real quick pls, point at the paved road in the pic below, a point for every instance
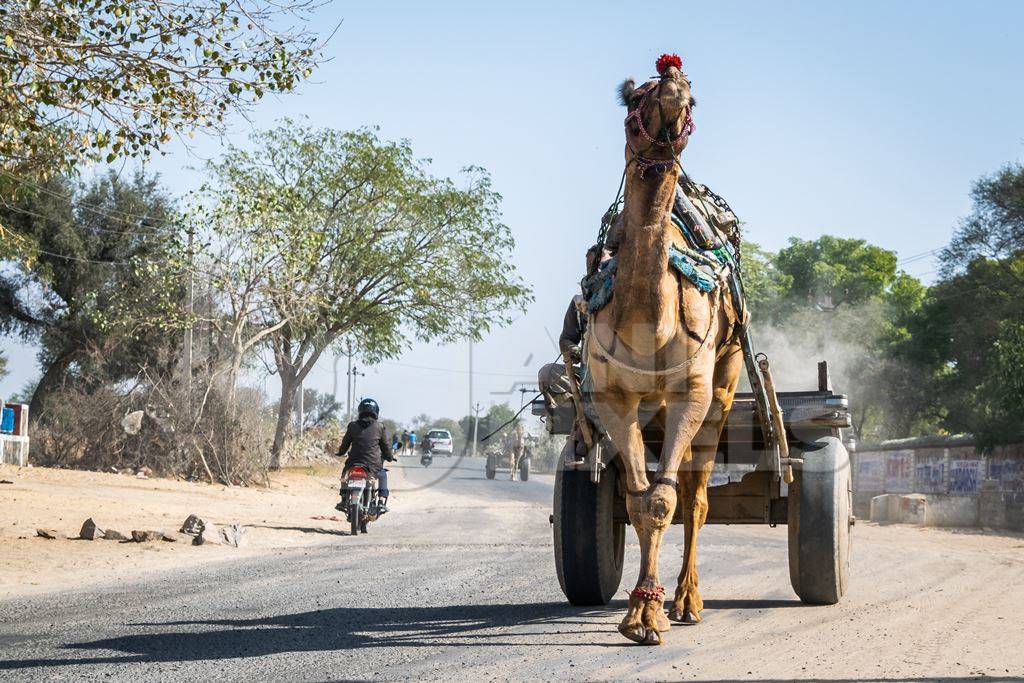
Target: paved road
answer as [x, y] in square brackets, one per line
[459, 583]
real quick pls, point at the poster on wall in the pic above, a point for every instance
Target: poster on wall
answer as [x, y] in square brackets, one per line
[964, 476]
[1009, 472]
[870, 471]
[899, 472]
[929, 474]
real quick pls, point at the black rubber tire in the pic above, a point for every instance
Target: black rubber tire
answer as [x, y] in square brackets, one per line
[819, 519]
[489, 468]
[589, 544]
[354, 519]
[363, 526]
[524, 469]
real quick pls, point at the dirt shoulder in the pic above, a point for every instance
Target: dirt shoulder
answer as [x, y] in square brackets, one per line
[280, 516]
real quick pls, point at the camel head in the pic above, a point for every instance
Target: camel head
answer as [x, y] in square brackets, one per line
[659, 121]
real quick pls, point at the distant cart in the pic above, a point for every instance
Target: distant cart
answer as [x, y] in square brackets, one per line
[503, 459]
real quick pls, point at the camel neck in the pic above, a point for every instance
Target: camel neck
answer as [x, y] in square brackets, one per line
[643, 252]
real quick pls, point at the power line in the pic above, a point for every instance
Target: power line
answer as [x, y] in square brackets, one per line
[106, 213]
[452, 370]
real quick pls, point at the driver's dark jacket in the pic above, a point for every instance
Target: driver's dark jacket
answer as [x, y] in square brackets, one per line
[366, 444]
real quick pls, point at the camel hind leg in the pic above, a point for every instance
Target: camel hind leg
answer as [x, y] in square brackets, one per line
[693, 482]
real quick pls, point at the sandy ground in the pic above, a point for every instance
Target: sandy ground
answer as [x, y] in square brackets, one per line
[457, 582]
[279, 517]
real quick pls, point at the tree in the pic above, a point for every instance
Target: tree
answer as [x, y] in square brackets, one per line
[1000, 406]
[763, 284]
[995, 228]
[94, 290]
[833, 271]
[844, 301]
[364, 244]
[956, 333]
[319, 408]
[3, 365]
[86, 80]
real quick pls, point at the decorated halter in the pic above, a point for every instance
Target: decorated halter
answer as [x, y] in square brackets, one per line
[644, 163]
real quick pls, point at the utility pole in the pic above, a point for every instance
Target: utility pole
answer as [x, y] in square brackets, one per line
[355, 375]
[348, 387]
[334, 391]
[300, 410]
[476, 422]
[190, 295]
[523, 391]
[471, 377]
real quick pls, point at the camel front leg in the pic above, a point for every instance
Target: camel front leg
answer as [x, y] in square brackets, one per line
[650, 511]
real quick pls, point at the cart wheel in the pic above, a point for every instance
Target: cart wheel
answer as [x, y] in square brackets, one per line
[524, 469]
[489, 468]
[819, 505]
[589, 544]
[353, 518]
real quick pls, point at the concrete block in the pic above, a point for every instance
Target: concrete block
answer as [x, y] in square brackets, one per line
[913, 508]
[885, 508]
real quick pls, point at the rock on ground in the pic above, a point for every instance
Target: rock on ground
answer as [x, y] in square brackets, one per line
[144, 536]
[192, 525]
[90, 531]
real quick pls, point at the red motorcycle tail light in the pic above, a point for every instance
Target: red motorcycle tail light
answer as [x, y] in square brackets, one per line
[357, 473]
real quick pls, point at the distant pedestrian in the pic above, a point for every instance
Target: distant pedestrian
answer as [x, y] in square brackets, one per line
[396, 443]
[405, 441]
[412, 441]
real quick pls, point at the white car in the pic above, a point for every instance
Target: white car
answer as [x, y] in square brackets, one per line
[441, 441]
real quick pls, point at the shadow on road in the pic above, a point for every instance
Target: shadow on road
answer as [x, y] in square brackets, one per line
[304, 529]
[342, 628]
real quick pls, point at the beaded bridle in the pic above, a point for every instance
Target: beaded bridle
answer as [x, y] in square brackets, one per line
[679, 141]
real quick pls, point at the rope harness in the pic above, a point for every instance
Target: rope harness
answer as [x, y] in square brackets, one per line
[648, 594]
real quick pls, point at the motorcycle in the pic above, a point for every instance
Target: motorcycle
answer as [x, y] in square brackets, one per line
[360, 499]
[426, 454]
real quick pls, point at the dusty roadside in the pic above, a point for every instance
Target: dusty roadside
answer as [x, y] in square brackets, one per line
[279, 516]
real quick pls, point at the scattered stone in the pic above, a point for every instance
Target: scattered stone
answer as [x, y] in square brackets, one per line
[209, 535]
[234, 535]
[141, 475]
[6, 481]
[170, 538]
[49, 533]
[131, 423]
[112, 535]
[193, 525]
[146, 536]
[90, 531]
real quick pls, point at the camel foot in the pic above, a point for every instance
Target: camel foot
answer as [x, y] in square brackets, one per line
[687, 606]
[645, 618]
[639, 633]
[684, 616]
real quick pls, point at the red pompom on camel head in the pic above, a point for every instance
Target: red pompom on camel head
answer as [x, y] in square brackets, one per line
[667, 60]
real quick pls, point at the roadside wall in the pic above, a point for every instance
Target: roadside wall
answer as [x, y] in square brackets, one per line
[960, 486]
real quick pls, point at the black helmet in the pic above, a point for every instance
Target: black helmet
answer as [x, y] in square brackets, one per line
[369, 407]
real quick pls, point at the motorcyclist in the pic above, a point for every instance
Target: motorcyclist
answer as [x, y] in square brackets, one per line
[367, 446]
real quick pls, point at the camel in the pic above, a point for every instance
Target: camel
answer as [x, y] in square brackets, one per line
[661, 350]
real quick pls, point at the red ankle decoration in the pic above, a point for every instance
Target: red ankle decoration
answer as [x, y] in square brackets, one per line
[657, 593]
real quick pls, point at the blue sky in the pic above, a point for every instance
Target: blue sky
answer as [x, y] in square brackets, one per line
[865, 120]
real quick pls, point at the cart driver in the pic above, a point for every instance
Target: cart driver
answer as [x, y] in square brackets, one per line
[366, 445]
[552, 377]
